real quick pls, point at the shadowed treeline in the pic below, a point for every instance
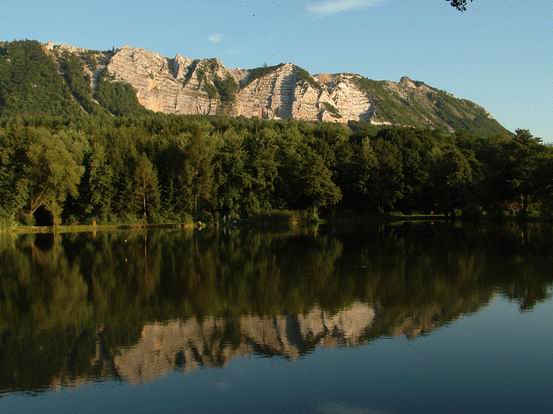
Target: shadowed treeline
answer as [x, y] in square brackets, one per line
[136, 305]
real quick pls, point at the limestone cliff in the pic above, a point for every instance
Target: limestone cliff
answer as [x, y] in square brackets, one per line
[182, 85]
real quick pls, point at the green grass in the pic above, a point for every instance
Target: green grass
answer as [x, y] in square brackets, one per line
[89, 228]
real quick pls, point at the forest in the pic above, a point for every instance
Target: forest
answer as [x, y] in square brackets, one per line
[155, 168]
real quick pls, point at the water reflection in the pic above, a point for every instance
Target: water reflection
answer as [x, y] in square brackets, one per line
[137, 305]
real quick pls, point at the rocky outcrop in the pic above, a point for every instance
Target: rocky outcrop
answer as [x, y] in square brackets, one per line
[271, 96]
[163, 85]
[181, 85]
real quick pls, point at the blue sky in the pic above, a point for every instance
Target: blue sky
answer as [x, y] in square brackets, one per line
[499, 53]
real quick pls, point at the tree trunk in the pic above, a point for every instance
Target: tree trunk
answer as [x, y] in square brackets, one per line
[144, 197]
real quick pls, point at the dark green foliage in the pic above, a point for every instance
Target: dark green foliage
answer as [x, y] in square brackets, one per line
[262, 165]
[197, 172]
[304, 76]
[226, 88]
[90, 58]
[174, 167]
[433, 108]
[119, 98]
[542, 180]
[206, 86]
[53, 170]
[30, 83]
[452, 180]
[318, 188]
[386, 178]
[332, 110]
[256, 73]
[79, 83]
[146, 190]
[97, 185]
[233, 180]
[13, 158]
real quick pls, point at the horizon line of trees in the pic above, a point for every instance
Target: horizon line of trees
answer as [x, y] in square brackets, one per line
[160, 168]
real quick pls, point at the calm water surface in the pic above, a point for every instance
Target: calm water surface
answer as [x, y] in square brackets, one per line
[403, 318]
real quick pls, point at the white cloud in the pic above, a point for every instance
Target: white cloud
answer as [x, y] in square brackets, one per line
[215, 37]
[328, 7]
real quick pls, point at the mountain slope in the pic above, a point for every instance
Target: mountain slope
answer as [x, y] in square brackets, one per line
[60, 80]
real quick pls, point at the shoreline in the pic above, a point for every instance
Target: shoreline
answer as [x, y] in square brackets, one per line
[89, 228]
[254, 222]
[257, 222]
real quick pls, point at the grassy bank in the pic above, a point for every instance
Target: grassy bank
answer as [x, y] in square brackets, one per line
[274, 219]
[89, 228]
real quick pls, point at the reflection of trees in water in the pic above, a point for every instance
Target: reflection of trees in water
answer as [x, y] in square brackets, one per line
[84, 307]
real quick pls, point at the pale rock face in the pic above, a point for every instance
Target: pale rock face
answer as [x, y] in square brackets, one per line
[181, 65]
[352, 103]
[175, 86]
[271, 96]
[162, 85]
[407, 86]
[307, 104]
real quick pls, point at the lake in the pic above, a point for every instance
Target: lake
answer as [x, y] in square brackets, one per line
[415, 317]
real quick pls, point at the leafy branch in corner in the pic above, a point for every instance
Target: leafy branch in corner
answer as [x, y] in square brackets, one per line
[460, 5]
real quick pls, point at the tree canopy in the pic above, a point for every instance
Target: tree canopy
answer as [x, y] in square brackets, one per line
[165, 168]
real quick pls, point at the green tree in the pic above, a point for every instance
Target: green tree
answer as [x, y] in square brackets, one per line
[12, 178]
[522, 155]
[452, 180]
[100, 184]
[54, 170]
[365, 164]
[262, 149]
[542, 180]
[385, 185]
[232, 180]
[197, 172]
[146, 191]
[319, 189]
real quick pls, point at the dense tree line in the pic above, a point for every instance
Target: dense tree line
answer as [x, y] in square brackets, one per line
[162, 168]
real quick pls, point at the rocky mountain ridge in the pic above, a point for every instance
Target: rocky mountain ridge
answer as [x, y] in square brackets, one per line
[186, 86]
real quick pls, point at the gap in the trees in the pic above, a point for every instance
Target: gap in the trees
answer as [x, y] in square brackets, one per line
[43, 217]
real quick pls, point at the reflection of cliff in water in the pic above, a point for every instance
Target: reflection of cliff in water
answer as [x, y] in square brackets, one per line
[135, 306]
[214, 341]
